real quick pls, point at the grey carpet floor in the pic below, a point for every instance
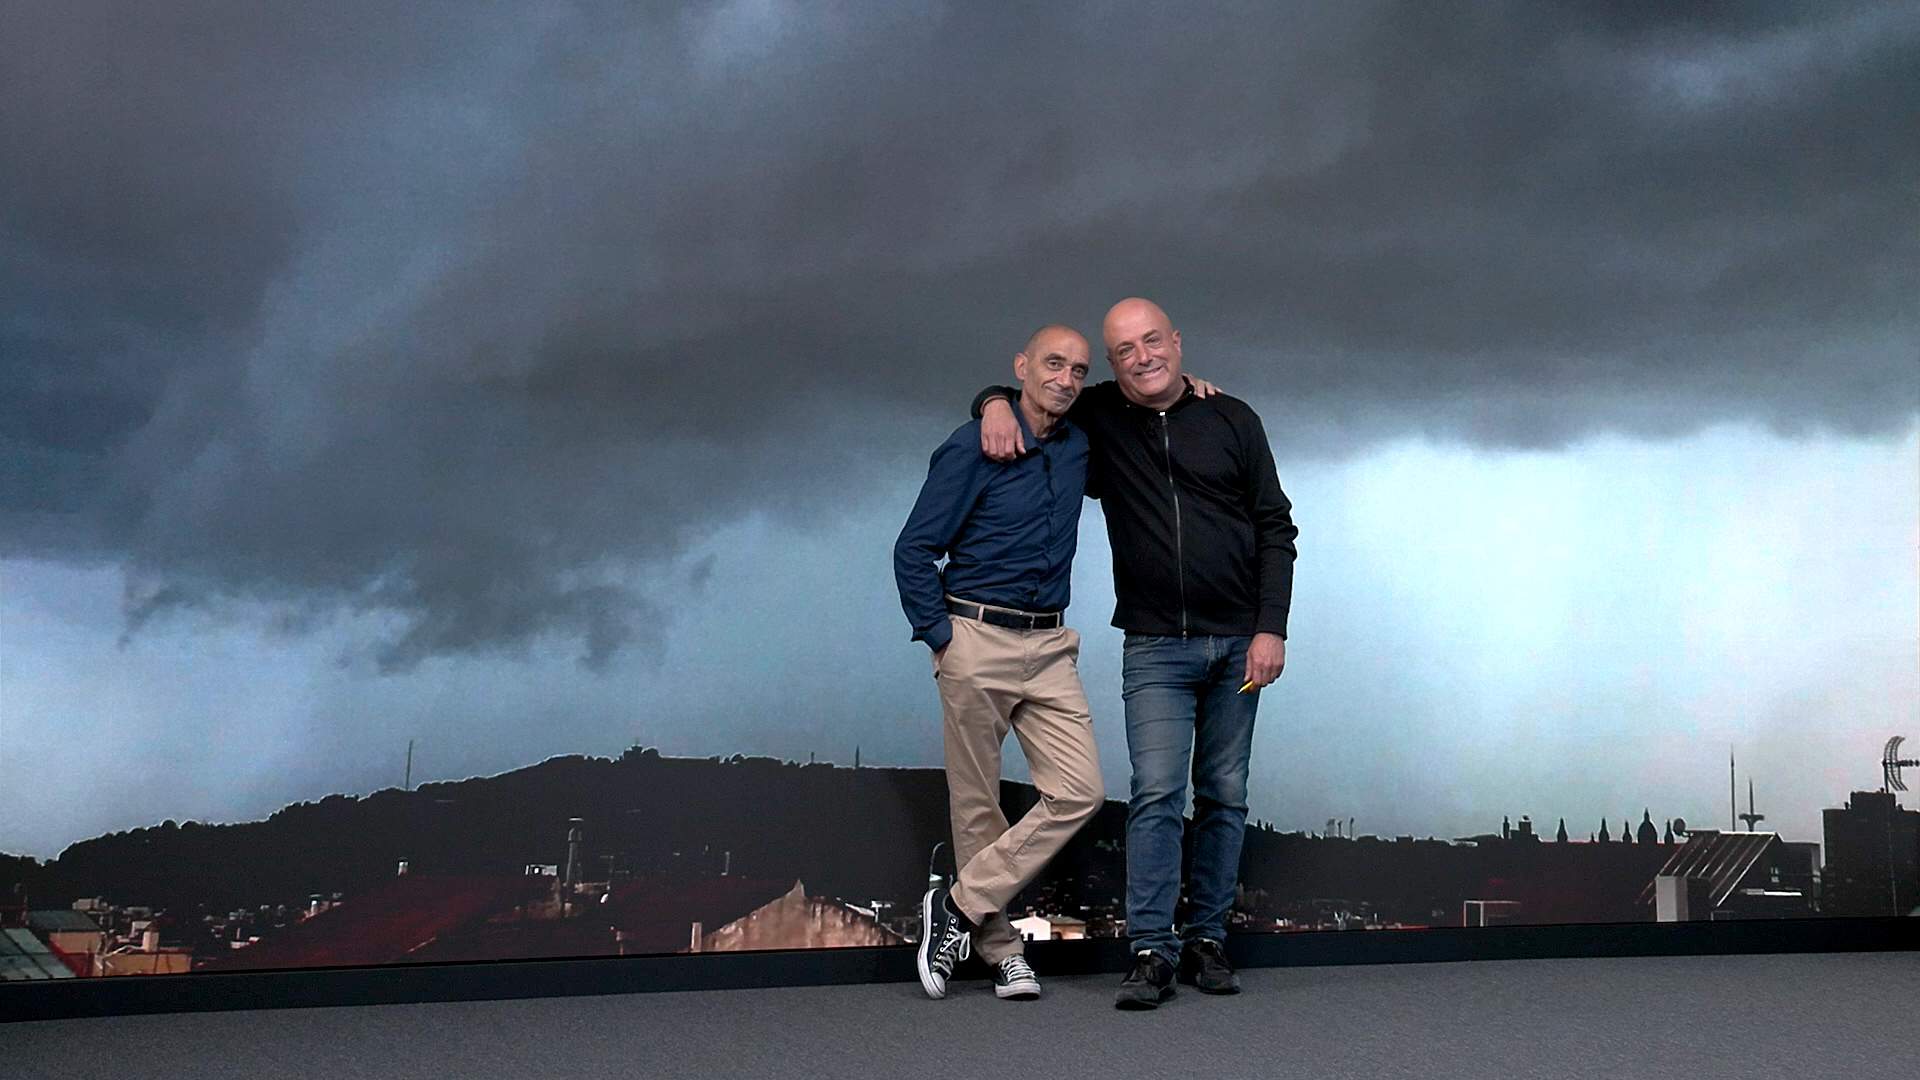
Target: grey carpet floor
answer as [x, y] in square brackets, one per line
[1847, 1015]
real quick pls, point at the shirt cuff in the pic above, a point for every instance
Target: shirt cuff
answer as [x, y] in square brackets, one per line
[938, 635]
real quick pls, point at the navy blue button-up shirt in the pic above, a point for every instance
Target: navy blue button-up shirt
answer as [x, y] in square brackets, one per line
[1008, 531]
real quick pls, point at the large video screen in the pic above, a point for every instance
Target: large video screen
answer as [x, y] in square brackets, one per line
[456, 458]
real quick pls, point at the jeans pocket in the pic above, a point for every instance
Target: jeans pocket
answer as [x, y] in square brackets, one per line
[1135, 642]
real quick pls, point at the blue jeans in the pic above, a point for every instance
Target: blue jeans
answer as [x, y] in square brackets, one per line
[1183, 706]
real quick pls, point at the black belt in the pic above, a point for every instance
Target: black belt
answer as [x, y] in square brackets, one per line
[1012, 620]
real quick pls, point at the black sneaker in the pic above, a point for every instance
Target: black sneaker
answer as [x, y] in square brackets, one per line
[1204, 966]
[1148, 984]
[945, 940]
[1014, 980]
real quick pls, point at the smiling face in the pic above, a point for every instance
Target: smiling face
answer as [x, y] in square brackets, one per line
[1144, 349]
[1052, 369]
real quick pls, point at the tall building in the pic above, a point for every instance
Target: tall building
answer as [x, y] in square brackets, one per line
[1873, 857]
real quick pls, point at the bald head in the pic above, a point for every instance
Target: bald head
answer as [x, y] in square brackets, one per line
[1054, 335]
[1144, 349]
[1130, 311]
[1051, 369]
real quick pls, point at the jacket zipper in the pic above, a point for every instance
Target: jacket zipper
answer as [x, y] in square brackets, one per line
[1179, 557]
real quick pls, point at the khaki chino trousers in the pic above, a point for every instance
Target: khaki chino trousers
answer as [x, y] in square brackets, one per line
[994, 680]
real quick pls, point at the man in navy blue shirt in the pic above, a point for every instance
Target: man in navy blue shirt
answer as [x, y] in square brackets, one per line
[1003, 657]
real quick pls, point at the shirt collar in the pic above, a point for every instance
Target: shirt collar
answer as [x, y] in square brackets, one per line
[1060, 428]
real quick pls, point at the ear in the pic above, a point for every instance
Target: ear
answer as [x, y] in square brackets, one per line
[1175, 338]
[1020, 367]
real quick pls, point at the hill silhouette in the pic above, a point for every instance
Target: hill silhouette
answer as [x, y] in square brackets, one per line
[854, 833]
[860, 834]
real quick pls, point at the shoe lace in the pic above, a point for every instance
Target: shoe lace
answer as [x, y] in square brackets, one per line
[1015, 968]
[956, 946]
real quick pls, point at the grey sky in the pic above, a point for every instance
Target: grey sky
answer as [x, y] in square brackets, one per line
[1755, 593]
[455, 343]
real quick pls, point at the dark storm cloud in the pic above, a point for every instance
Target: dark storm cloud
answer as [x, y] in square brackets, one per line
[466, 315]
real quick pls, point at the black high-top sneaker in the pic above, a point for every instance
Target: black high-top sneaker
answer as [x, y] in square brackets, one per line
[945, 940]
[1015, 980]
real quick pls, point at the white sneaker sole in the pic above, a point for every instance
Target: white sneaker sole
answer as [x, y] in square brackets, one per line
[1022, 990]
[930, 981]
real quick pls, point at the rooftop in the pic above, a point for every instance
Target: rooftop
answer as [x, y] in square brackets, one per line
[60, 920]
[1722, 858]
[25, 958]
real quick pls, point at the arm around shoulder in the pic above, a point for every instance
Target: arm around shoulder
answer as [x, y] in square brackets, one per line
[1000, 438]
[1008, 394]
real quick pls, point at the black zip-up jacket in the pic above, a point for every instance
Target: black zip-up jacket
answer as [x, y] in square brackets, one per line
[1202, 535]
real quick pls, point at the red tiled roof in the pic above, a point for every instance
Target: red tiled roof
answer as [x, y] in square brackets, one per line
[642, 917]
[386, 924]
[424, 918]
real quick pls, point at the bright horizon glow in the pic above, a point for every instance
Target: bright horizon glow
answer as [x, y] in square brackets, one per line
[1577, 633]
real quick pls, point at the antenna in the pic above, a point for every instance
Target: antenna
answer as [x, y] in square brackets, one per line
[1891, 764]
[1733, 799]
[407, 785]
[1750, 817]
